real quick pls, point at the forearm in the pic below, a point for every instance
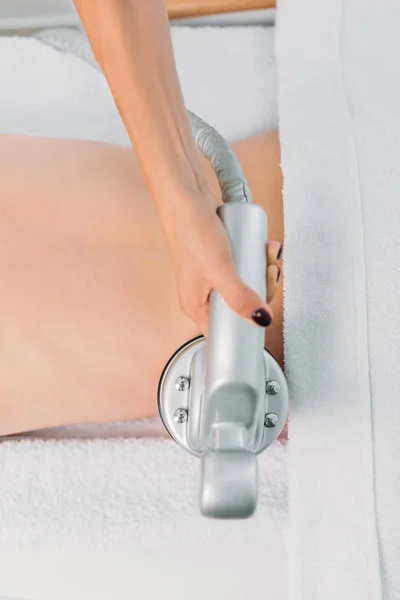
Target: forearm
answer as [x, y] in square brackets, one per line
[131, 41]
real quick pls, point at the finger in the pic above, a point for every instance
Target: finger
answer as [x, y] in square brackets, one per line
[194, 301]
[201, 315]
[273, 275]
[240, 297]
[274, 252]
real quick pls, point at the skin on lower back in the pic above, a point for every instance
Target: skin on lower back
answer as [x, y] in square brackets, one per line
[89, 308]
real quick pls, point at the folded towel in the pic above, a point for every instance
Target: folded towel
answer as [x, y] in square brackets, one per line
[339, 98]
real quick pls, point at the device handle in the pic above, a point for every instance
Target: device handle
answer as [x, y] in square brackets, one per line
[233, 407]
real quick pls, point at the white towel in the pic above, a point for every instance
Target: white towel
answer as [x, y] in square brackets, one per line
[123, 493]
[339, 99]
[227, 75]
[65, 505]
[130, 508]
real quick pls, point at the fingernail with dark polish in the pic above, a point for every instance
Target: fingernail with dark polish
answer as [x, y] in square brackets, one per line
[261, 317]
[279, 275]
[279, 255]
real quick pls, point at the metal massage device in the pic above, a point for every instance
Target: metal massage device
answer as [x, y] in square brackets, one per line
[225, 398]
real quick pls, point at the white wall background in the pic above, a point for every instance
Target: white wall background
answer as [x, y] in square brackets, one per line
[22, 15]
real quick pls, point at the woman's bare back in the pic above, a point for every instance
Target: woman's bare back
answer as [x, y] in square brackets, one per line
[89, 308]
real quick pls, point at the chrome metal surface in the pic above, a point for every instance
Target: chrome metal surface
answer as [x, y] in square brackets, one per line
[170, 399]
[229, 484]
[228, 396]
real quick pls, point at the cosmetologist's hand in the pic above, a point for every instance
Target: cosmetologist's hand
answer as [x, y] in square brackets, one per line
[202, 259]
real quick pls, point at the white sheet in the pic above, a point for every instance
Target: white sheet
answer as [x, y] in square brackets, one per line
[339, 99]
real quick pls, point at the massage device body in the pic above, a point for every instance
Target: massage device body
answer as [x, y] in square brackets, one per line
[225, 398]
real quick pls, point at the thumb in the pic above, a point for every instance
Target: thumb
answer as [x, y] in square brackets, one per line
[242, 299]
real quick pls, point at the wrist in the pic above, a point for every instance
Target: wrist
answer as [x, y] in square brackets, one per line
[182, 210]
[170, 161]
[184, 181]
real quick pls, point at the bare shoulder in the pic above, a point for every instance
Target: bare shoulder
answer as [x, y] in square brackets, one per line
[260, 156]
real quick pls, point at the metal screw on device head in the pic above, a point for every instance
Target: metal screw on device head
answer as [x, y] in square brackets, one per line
[271, 420]
[272, 388]
[180, 415]
[182, 384]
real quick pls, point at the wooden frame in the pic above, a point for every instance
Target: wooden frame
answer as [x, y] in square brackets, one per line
[183, 9]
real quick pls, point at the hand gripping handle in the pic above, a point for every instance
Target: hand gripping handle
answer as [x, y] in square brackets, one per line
[232, 422]
[232, 416]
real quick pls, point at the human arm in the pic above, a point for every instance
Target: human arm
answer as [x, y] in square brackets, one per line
[132, 43]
